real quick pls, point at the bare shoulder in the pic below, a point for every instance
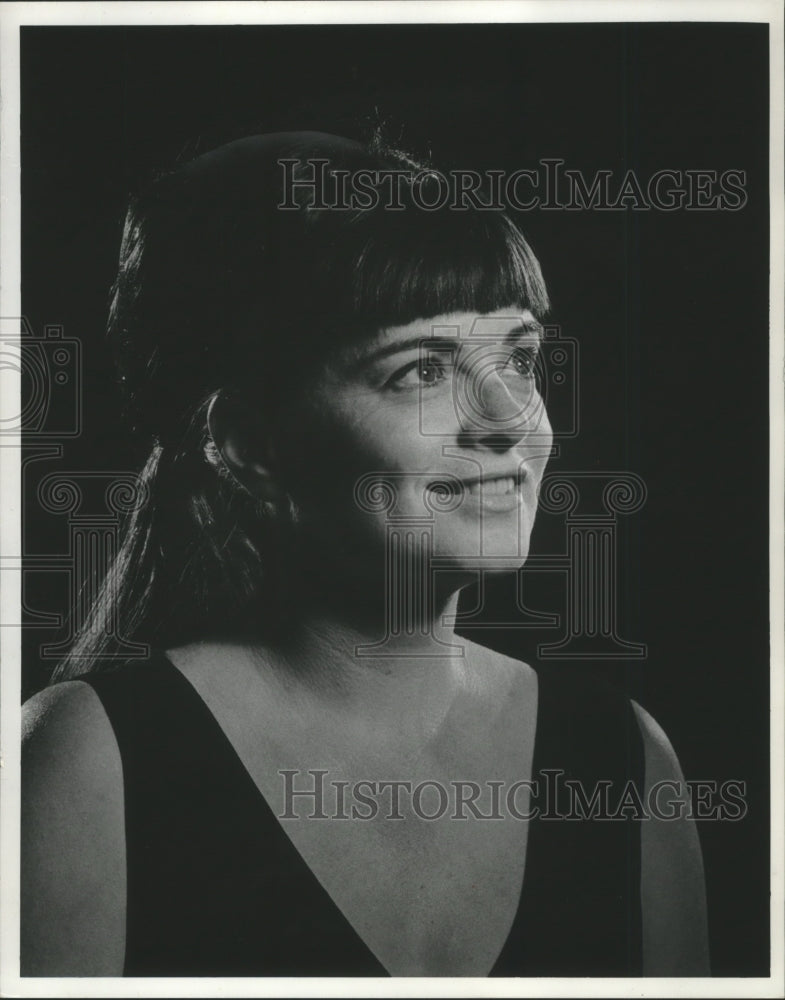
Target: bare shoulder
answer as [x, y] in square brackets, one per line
[68, 745]
[657, 746]
[675, 931]
[70, 712]
[73, 841]
[504, 668]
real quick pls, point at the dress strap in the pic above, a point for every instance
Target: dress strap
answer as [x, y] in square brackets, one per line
[215, 887]
[580, 912]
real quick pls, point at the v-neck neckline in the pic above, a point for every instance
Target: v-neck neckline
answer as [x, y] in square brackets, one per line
[307, 873]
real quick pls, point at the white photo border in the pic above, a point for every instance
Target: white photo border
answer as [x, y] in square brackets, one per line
[15, 15]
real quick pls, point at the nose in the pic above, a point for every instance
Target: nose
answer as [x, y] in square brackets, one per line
[495, 417]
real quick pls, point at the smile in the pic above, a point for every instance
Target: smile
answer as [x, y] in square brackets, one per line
[493, 493]
[497, 486]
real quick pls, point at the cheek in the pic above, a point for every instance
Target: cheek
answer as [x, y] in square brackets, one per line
[542, 432]
[366, 436]
[541, 447]
[335, 453]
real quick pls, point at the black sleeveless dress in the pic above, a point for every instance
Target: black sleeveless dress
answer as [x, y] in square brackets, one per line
[216, 888]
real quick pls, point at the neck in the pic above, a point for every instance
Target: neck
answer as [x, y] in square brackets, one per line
[346, 656]
[412, 619]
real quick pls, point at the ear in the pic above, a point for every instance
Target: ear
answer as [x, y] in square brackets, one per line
[239, 435]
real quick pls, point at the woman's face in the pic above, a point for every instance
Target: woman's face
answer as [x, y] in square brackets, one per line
[436, 426]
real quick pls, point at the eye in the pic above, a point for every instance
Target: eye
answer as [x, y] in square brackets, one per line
[425, 372]
[523, 362]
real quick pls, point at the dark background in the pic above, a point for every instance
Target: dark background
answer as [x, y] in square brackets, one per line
[670, 309]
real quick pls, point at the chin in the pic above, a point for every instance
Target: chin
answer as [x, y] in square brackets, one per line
[486, 543]
[505, 556]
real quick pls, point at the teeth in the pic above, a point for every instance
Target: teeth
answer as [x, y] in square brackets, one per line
[492, 487]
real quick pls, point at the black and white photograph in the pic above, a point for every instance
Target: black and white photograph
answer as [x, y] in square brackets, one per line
[392, 499]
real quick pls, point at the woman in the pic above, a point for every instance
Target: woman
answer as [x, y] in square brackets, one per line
[311, 774]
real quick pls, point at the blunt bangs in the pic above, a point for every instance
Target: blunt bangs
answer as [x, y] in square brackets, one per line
[417, 264]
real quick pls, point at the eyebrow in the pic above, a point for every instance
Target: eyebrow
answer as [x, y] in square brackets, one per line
[530, 327]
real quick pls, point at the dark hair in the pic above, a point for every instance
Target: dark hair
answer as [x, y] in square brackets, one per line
[219, 289]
